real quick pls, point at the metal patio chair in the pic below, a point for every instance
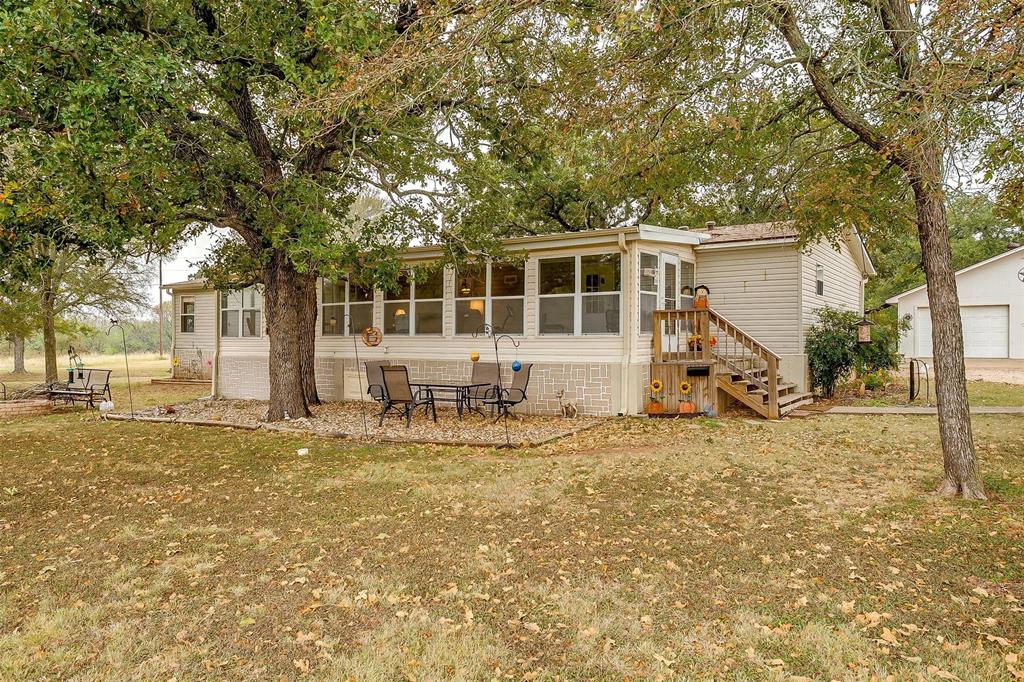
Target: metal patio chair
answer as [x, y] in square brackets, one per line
[375, 379]
[87, 386]
[512, 396]
[400, 397]
[483, 373]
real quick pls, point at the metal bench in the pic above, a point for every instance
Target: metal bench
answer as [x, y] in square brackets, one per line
[87, 386]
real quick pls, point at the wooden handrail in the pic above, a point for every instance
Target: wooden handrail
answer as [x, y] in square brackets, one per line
[721, 321]
[721, 318]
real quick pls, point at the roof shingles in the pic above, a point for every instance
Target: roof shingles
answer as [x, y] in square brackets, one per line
[782, 229]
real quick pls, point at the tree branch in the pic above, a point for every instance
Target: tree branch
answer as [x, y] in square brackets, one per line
[781, 16]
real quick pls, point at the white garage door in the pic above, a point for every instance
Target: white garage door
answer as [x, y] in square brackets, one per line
[986, 331]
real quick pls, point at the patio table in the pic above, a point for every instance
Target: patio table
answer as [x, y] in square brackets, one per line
[452, 392]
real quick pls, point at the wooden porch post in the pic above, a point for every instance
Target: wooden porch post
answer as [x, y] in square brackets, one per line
[658, 316]
[773, 387]
[705, 330]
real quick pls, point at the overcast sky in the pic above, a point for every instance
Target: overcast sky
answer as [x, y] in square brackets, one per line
[180, 267]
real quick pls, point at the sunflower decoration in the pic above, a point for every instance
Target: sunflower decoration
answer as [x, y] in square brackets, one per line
[685, 387]
[656, 388]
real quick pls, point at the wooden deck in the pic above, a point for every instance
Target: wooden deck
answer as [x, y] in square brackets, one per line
[739, 365]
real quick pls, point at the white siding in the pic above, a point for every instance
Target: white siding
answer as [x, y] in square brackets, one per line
[757, 288]
[187, 346]
[843, 281]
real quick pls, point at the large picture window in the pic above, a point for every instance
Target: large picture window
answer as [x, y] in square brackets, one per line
[241, 313]
[580, 294]
[188, 315]
[417, 306]
[493, 293]
[339, 299]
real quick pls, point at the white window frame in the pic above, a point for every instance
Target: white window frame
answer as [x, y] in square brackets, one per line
[819, 279]
[346, 308]
[488, 302]
[656, 294]
[411, 303]
[182, 314]
[659, 282]
[579, 295]
[693, 283]
[241, 314]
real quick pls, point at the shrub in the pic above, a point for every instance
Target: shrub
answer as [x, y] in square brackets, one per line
[833, 351]
[882, 354]
[830, 347]
[877, 380]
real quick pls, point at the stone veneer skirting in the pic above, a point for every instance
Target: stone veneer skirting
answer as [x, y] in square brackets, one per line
[594, 387]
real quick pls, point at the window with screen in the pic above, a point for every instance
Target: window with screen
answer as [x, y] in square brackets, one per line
[580, 294]
[345, 308]
[188, 315]
[241, 313]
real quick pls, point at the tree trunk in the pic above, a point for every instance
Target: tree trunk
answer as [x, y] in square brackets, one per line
[308, 341]
[18, 342]
[959, 460]
[284, 297]
[49, 327]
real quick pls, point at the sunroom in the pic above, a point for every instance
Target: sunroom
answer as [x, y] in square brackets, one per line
[580, 306]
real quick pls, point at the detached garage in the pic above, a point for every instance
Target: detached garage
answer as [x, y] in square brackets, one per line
[991, 309]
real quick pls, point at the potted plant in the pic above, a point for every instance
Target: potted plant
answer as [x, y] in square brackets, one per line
[696, 341]
[686, 404]
[654, 405]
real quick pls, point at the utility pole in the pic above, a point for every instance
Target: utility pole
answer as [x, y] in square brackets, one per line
[160, 307]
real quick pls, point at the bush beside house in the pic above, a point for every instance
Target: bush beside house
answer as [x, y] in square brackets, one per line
[833, 352]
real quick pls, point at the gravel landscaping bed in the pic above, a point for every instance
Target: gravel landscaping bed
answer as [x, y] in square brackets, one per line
[337, 418]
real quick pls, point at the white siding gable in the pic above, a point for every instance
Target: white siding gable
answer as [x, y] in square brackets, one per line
[843, 281]
[757, 289]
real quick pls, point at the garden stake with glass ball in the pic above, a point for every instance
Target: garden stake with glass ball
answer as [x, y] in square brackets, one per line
[124, 343]
[488, 331]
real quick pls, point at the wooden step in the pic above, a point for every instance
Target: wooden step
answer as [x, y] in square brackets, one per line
[790, 401]
[792, 397]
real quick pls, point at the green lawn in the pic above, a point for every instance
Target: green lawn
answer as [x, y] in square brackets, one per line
[143, 368]
[980, 394]
[642, 549]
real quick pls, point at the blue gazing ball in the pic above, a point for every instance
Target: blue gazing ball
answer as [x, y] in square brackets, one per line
[516, 365]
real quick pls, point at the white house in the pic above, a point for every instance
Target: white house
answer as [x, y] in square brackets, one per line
[991, 297]
[581, 305]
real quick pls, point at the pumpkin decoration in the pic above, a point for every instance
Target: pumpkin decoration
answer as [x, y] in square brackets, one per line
[654, 405]
[686, 406]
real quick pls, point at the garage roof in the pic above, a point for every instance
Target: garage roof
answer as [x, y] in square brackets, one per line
[993, 259]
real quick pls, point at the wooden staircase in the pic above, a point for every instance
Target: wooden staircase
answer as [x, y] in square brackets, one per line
[751, 387]
[745, 369]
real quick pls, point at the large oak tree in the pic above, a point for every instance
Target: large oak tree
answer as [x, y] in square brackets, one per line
[267, 118]
[850, 113]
